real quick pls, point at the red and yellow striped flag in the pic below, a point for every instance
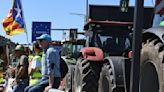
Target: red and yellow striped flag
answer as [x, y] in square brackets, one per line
[14, 23]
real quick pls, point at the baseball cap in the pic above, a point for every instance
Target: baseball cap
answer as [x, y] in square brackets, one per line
[19, 48]
[44, 37]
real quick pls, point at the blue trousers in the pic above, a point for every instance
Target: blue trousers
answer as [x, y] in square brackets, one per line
[20, 86]
[40, 86]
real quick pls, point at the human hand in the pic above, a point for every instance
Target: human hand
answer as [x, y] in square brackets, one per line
[47, 88]
[10, 66]
[1, 89]
[17, 81]
[30, 59]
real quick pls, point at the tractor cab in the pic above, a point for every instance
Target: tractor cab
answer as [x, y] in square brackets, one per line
[110, 36]
[71, 49]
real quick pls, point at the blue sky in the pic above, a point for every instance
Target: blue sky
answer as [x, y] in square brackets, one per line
[58, 12]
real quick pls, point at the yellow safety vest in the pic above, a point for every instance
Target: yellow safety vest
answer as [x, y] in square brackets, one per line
[1, 68]
[2, 80]
[30, 57]
[36, 74]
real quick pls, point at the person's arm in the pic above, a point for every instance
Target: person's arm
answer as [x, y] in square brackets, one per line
[20, 72]
[30, 71]
[50, 62]
[51, 80]
[33, 66]
[22, 68]
[51, 65]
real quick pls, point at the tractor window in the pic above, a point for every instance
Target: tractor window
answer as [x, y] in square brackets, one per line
[66, 49]
[96, 41]
[127, 43]
[76, 49]
[114, 44]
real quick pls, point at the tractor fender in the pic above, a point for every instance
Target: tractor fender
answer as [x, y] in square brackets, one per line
[117, 65]
[92, 53]
[154, 32]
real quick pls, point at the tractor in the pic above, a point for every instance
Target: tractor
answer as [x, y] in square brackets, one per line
[145, 72]
[114, 40]
[105, 62]
[71, 49]
[69, 53]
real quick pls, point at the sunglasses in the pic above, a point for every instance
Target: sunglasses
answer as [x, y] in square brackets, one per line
[41, 40]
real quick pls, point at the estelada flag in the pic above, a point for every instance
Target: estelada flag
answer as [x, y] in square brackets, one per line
[14, 23]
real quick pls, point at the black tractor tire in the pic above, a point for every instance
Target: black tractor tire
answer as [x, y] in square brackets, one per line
[87, 76]
[107, 80]
[151, 75]
[67, 82]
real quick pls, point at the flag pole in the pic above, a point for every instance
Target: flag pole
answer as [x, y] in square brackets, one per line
[24, 24]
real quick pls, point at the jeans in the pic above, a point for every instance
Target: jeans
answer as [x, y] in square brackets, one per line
[40, 86]
[20, 86]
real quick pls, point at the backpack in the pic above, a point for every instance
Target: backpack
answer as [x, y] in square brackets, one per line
[63, 68]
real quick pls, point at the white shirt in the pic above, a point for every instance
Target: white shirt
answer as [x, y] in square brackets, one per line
[35, 63]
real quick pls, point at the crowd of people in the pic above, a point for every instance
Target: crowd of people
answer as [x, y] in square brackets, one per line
[38, 71]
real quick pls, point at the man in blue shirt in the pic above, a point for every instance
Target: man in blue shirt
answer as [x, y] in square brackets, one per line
[50, 67]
